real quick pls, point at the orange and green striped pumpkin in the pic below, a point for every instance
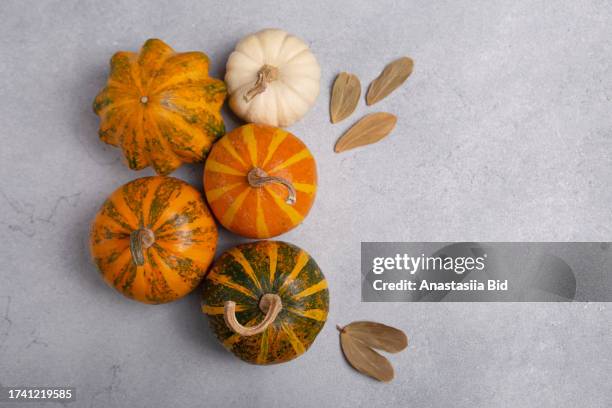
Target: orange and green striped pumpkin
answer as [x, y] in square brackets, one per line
[243, 277]
[260, 181]
[153, 239]
[160, 107]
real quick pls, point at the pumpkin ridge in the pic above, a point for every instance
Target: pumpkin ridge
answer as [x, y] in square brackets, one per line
[115, 267]
[212, 89]
[182, 144]
[227, 146]
[219, 192]
[151, 58]
[124, 278]
[317, 287]
[121, 69]
[109, 209]
[230, 214]
[248, 139]
[187, 279]
[297, 345]
[219, 309]
[246, 266]
[298, 52]
[185, 211]
[260, 224]
[294, 216]
[113, 134]
[187, 120]
[295, 158]
[224, 281]
[319, 315]
[134, 195]
[295, 91]
[179, 64]
[277, 139]
[130, 144]
[164, 160]
[160, 200]
[300, 263]
[272, 250]
[159, 290]
[280, 49]
[264, 344]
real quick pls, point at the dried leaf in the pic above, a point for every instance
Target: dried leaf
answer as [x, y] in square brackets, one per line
[378, 336]
[364, 359]
[369, 129]
[345, 96]
[389, 79]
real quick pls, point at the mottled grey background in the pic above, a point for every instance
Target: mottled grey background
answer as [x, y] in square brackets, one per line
[504, 134]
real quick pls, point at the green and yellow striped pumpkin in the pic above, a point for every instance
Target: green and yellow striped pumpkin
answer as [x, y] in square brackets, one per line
[266, 301]
[153, 239]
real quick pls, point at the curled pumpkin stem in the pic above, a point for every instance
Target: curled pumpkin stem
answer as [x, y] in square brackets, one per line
[270, 303]
[265, 75]
[140, 240]
[258, 177]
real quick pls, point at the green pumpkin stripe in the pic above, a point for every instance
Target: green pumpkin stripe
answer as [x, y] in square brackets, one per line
[109, 209]
[317, 287]
[297, 345]
[226, 281]
[246, 266]
[265, 341]
[186, 268]
[127, 276]
[314, 314]
[134, 194]
[302, 260]
[162, 197]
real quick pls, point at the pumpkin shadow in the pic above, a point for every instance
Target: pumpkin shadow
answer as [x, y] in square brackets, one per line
[192, 324]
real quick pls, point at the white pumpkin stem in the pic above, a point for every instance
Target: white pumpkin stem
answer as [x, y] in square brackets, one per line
[257, 177]
[270, 303]
[140, 240]
[265, 75]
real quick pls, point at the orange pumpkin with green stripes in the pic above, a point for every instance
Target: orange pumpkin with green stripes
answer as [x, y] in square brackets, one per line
[266, 301]
[260, 181]
[153, 239]
[160, 107]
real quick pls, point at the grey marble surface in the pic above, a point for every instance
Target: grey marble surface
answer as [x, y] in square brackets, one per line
[504, 133]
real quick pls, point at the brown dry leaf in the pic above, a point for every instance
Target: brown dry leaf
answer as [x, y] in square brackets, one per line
[389, 79]
[345, 96]
[378, 336]
[357, 340]
[369, 129]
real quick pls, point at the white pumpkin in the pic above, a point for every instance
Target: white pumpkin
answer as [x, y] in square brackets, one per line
[272, 78]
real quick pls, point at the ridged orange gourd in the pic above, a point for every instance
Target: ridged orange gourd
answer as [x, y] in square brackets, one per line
[160, 107]
[260, 181]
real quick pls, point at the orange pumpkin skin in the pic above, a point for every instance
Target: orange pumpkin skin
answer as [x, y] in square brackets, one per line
[160, 107]
[259, 212]
[153, 239]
